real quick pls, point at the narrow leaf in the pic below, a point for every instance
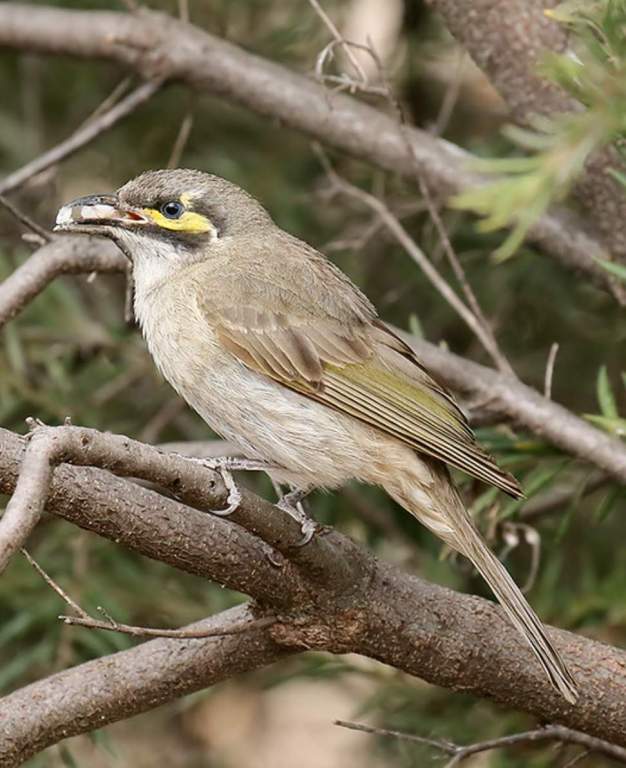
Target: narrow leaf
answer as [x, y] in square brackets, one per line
[618, 270]
[606, 397]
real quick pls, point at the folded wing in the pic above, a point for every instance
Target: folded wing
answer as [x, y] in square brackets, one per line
[362, 369]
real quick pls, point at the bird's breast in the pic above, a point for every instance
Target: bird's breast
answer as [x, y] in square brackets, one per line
[266, 419]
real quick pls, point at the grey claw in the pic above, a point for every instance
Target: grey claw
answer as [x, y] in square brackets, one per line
[275, 559]
[291, 504]
[234, 496]
[308, 530]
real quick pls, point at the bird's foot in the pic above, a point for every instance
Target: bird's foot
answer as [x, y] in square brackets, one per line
[225, 466]
[291, 503]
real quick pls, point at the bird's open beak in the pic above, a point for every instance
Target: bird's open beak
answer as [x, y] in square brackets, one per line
[86, 214]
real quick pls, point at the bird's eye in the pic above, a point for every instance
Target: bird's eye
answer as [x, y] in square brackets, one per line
[172, 209]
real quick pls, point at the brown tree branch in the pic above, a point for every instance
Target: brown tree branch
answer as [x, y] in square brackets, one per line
[158, 46]
[507, 39]
[162, 528]
[90, 695]
[460, 752]
[453, 640]
[43, 235]
[190, 480]
[525, 406]
[62, 256]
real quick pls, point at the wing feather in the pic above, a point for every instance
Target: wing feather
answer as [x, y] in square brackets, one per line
[364, 370]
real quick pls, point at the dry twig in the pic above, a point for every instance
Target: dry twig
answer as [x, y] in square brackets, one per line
[547, 385]
[338, 39]
[394, 225]
[479, 325]
[83, 619]
[44, 234]
[181, 141]
[90, 130]
[460, 753]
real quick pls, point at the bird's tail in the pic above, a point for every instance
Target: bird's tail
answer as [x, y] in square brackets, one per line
[446, 516]
[521, 615]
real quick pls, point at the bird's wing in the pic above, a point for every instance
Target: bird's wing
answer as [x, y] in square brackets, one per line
[360, 368]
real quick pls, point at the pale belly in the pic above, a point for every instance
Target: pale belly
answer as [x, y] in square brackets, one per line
[313, 444]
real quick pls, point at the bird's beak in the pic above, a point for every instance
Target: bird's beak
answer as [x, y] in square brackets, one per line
[88, 214]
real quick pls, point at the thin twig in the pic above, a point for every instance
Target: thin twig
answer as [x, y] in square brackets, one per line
[109, 101]
[26, 220]
[547, 386]
[181, 141]
[554, 500]
[182, 634]
[83, 619]
[450, 98]
[415, 252]
[480, 326]
[53, 585]
[444, 746]
[459, 753]
[339, 40]
[82, 136]
[487, 336]
[183, 11]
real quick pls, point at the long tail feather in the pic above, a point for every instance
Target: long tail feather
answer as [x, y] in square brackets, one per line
[438, 506]
[521, 615]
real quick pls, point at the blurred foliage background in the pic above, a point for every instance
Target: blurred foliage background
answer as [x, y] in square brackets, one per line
[71, 354]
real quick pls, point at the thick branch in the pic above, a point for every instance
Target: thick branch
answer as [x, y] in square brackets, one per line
[103, 691]
[508, 39]
[453, 640]
[159, 527]
[158, 46]
[188, 479]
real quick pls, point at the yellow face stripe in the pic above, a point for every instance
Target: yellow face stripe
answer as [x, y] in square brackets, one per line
[188, 222]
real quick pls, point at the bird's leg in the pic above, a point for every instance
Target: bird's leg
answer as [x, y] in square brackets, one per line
[225, 466]
[291, 503]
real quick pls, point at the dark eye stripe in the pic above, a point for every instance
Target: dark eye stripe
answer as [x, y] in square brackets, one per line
[173, 209]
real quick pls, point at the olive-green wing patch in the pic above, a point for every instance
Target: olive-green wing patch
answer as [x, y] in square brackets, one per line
[364, 370]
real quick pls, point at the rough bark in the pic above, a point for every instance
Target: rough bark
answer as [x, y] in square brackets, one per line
[454, 640]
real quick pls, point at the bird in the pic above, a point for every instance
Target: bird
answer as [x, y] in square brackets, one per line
[280, 353]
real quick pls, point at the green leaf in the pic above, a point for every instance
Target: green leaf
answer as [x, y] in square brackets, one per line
[415, 326]
[483, 501]
[617, 270]
[534, 482]
[618, 176]
[606, 506]
[606, 397]
[616, 427]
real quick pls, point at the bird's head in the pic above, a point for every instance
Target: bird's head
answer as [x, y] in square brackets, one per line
[176, 214]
